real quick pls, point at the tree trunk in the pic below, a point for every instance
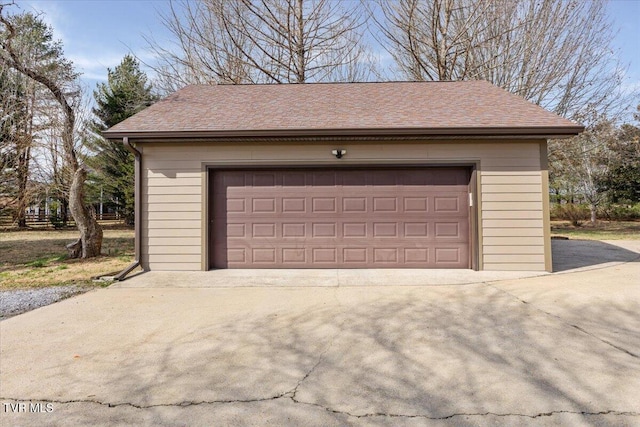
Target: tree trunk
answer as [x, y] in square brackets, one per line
[21, 212]
[90, 242]
[64, 211]
[593, 213]
[24, 156]
[90, 231]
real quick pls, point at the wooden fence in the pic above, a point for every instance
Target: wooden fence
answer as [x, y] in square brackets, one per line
[42, 221]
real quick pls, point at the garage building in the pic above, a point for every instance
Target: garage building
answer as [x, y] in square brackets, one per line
[343, 175]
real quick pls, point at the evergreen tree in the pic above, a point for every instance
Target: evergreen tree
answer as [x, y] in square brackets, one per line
[623, 181]
[125, 93]
[25, 105]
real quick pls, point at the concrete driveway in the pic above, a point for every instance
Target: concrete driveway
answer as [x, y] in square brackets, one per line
[531, 349]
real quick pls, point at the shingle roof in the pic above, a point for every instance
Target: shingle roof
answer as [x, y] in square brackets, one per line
[429, 108]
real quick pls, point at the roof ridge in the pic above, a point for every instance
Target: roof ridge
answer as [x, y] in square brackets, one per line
[339, 83]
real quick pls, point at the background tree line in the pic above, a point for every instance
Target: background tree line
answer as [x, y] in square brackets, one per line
[555, 53]
[50, 146]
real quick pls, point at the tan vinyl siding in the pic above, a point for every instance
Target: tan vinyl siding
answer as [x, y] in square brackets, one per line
[509, 266]
[512, 223]
[512, 206]
[172, 207]
[513, 218]
[170, 191]
[170, 173]
[511, 197]
[513, 241]
[507, 232]
[176, 266]
[505, 250]
[510, 220]
[172, 249]
[510, 258]
[175, 198]
[172, 232]
[167, 181]
[508, 187]
[513, 214]
[185, 215]
[511, 179]
[175, 224]
[173, 241]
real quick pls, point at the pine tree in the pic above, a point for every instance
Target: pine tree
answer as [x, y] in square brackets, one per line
[125, 93]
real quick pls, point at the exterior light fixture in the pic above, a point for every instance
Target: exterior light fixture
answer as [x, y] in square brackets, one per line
[338, 152]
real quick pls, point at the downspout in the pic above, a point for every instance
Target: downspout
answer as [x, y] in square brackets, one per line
[137, 213]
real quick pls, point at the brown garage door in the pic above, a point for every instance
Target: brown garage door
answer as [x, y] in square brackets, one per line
[356, 218]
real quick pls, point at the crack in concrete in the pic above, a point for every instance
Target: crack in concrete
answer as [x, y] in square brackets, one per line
[287, 394]
[463, 414]
[555, 316]
[292, 393]
[496, 414]
[185, 404]
[137, 406]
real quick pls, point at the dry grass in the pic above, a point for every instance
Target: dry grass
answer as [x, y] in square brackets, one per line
[601, 230]
[38, 258]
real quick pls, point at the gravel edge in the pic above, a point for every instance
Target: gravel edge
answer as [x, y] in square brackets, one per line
[18, 301]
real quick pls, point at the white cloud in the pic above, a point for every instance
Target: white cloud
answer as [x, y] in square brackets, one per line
[95, 67]
[51, 13]
[93, 62]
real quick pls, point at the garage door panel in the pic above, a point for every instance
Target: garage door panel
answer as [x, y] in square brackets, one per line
[332, 218]
[416, 230]
[324, 205]
[444, 205]
[321, 229]
[354, 230]
[418, 256]
[380, 257]
[293, 230]
[229, 179]
[354, 255]
[294, 255]
[294, 205]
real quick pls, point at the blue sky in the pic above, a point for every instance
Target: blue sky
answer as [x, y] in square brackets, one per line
[98, 33]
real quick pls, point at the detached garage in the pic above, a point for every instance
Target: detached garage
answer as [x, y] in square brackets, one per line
[353, 175]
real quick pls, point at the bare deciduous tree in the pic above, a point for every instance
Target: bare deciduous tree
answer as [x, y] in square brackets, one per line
[586, 160]
[18, 108]
[555, 53]
[55, 74]
[262, 41]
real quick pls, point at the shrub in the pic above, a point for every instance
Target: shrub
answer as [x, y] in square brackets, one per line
[621, 212]
[575, 213]
[56, 221]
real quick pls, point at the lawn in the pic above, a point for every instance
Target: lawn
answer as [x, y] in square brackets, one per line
[601, 230]
[38, 258]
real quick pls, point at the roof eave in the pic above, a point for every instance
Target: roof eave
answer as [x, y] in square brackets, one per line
[549, 132]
